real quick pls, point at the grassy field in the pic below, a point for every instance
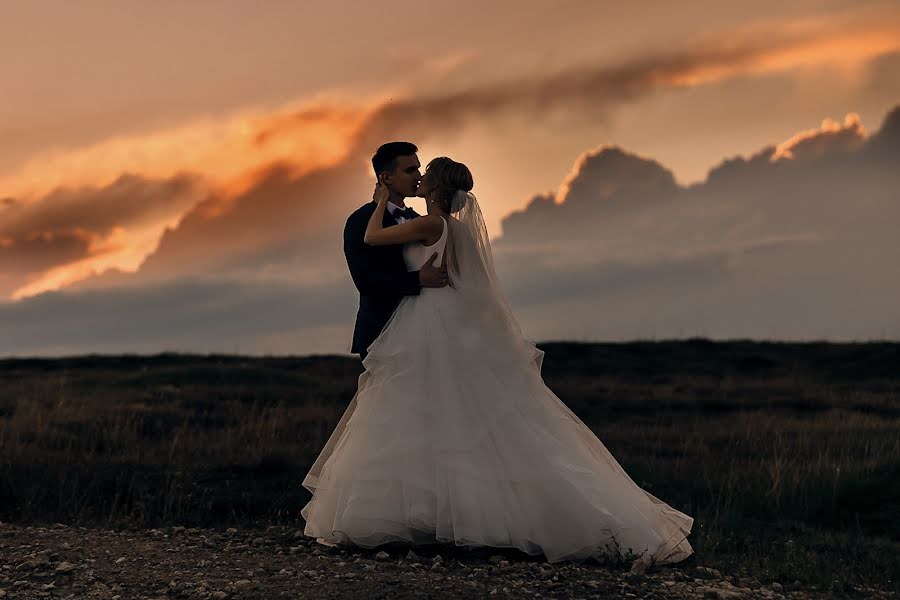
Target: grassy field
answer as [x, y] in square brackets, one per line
[786, 454]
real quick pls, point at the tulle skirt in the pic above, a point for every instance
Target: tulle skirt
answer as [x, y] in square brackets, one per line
[452, 437]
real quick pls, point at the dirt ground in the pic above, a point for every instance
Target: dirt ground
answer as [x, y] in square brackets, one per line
[60, 561]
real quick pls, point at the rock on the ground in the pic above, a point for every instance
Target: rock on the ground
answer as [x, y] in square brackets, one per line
[82, 562]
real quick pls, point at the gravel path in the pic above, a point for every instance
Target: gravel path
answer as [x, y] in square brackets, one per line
[60, 561]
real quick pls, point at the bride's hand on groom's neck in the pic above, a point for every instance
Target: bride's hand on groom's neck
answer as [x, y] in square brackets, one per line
[381, 194]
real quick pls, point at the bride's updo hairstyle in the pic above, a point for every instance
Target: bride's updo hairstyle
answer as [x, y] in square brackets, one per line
[449, 177]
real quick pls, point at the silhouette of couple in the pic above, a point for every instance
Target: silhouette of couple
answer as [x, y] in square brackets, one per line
[452, 435]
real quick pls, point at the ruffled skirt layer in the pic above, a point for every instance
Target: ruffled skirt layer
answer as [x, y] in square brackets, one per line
[459, 441]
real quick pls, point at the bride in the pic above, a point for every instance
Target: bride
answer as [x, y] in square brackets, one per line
[452, 435]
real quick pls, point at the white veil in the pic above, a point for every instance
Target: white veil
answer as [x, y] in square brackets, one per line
[470, 265]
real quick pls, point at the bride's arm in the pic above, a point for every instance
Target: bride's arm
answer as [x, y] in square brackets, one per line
[422, 229]
[416, 230]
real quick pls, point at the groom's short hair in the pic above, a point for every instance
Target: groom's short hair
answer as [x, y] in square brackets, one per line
[385, 158]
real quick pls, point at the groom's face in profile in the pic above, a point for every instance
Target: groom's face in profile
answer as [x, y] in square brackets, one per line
[405, 177]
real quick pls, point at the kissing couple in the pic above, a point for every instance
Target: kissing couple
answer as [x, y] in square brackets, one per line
[452, 436]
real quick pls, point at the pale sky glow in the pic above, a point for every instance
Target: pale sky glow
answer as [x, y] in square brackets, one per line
[145, 144]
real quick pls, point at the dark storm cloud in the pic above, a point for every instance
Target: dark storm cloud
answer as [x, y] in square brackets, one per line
[281, 221]
[128, 200]
[40, 250]
[71, 224]
[819, 177]
[595, 88]
[281, 218]
[763, 241]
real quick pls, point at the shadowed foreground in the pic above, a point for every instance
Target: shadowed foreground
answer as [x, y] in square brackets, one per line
[76, 563]
[786, 454]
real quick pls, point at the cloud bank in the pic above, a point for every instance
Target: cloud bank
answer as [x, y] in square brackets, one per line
[797, 241]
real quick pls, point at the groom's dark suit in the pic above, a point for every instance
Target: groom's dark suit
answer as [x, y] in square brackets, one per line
[380, 275]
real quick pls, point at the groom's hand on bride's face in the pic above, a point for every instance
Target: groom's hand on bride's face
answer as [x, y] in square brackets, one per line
[431, 276]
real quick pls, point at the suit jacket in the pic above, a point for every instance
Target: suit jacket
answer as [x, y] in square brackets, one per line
[380, 275]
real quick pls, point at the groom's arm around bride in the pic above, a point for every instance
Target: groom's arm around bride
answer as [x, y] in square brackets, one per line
[380, 275]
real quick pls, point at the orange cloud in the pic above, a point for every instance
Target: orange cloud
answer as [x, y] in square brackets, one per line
[92, 254]
[120, 223]
[822, 138]
[748, 55]
[311, 136]
[128, 215]
[26, 257]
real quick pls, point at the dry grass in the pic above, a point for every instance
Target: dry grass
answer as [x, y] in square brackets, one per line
[787, 455]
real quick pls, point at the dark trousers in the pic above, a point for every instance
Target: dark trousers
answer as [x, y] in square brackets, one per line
[363, 354]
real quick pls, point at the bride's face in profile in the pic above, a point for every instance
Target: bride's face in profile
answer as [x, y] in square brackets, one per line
[426, 186]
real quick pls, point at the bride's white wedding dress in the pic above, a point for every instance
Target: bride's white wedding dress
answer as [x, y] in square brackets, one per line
[453, 437]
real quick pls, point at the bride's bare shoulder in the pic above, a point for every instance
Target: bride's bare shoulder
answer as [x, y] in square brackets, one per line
[434, 226]
[434, 223]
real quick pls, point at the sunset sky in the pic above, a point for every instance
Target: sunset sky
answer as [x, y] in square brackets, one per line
[176, 176]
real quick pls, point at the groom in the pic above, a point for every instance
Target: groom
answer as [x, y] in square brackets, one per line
[379, 272]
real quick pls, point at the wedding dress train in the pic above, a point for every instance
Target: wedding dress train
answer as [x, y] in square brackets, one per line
[453, 437]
